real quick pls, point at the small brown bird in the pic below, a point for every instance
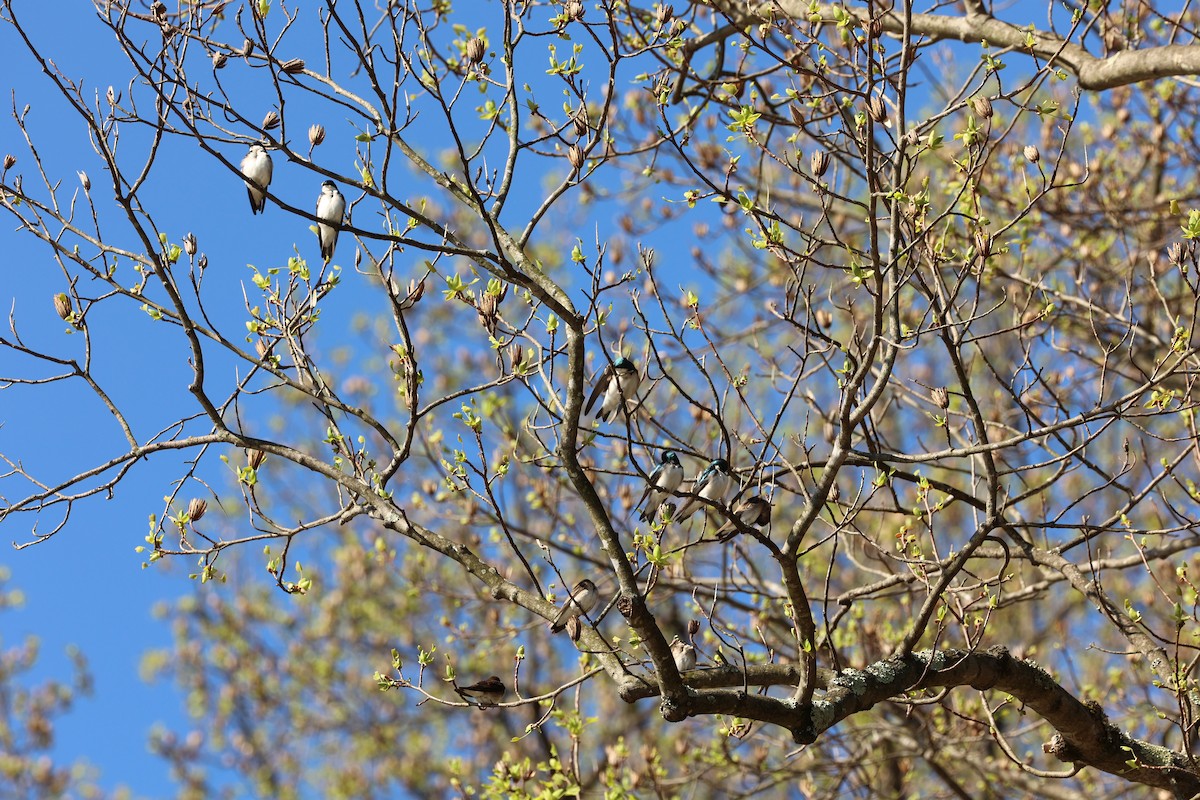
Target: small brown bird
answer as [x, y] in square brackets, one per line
[485, 693]
[751, 511]
[582, 598]
[685, 655]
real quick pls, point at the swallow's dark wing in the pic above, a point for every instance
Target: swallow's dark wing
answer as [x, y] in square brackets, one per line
[600, 388]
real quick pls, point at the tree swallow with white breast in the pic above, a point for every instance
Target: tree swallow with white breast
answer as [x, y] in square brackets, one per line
[583, 598]
[685, 655]
[331, 208]
[664, 480]
[257, 169]
[753, 512]
[712, 484]
[485, 693]
[618, 382]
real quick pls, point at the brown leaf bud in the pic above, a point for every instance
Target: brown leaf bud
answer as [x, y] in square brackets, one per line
[9, 160]
[293, 66]
[663, 14]
[1032, 153]
[111, 96]
[255, 458]
[982, 107]
[940, 397]
[62, 305]
[203, 262]
[247, 47]
[189, 244]
[316, 134]
[819, 161]
[476, 50]
[262, 348]
[84, 180]
[219, 60]
[271, 120]
[875, 30]
[196, 509]
[877, 109]
[693, 627]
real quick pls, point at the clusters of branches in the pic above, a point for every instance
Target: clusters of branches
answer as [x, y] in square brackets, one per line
[931, 306]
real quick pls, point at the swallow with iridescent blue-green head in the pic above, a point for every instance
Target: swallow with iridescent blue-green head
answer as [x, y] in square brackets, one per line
[712, 484]
[618, 384]
[663, 481]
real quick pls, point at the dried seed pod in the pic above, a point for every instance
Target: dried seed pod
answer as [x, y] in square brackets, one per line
[1032, 153]
[293, 66]
[573, 10]
[189, 243]
[271, 120]
[940, 397]
[62, 306]
[202, 263]
[247, 47]
[877, 109]
[819, 161]
[476, 50]
[111, 96]
[579, 120]
[982, 107]
[575, 156]
[84, 180]
[9, 160]
[255, 458]
[693, 627]
[663, 14]
[316, 134]
[983, 243]
[219, 60]
[196, 509]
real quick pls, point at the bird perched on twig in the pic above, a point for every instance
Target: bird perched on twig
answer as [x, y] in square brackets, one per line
[753, 512]
[257, 168]
[583, 598]
[485, 693]
[331, 209]
[712, 484]
[618, 383]
[664, 480]
[685, 655]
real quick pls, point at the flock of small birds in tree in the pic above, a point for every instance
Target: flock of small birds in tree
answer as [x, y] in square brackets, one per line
[615, 390]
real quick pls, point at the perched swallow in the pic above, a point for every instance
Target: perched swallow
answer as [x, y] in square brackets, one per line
[753, 511]
[619, 381]
[331, 208]
[685, 655]
[582, 598]
[486, 693]
[664, 480]
[257, 168]
[712, 484]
